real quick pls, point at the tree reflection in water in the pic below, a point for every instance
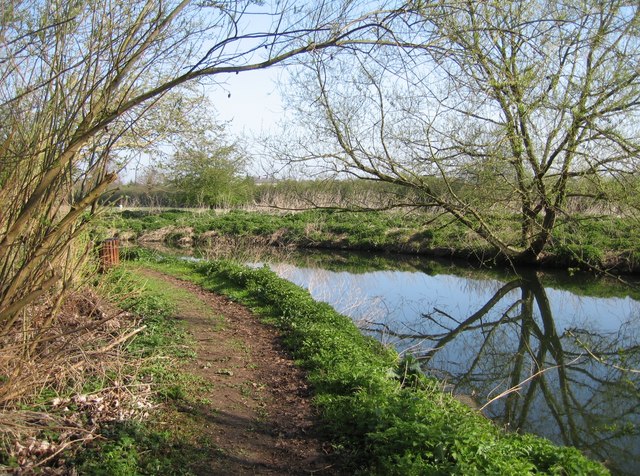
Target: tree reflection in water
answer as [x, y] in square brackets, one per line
[578, 388]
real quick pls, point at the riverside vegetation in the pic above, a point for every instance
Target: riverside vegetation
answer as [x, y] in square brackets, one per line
[89, 86]
[101, 400]
[373, 230]
[380, 412]
[605, 243]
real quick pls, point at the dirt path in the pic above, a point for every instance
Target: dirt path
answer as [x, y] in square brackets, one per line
[257, 418]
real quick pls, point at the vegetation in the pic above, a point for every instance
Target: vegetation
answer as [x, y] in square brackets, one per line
[532, 102]
[384, 414]
[207, 169]
[607, 244]
[88, 86]
[146, 446]
[105, 401]
[475, 107]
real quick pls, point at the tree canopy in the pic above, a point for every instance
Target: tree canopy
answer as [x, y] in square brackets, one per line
[209, 173]
[79, 83]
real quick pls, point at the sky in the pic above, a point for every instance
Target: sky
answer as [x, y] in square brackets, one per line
[250, 101]
[252, 104]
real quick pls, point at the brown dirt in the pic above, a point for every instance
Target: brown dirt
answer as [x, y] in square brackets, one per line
[257, 417]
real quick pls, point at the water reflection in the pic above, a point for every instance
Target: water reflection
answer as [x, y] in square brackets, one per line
[578, 386]
[571, 377]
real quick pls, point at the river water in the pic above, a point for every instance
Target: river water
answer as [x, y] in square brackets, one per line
[543, 352]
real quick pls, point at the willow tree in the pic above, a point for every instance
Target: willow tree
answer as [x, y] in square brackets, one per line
[78, 83]
[515, 106]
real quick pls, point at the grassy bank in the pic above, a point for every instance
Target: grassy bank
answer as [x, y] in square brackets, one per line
[147, 445]
[381, 413]
[587, 242]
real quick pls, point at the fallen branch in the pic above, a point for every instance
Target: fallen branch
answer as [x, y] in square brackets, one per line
[120, 340]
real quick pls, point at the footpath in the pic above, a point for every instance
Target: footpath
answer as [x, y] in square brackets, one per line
[255, 414]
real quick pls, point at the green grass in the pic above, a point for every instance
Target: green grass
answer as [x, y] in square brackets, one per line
[148, 447]
[133, 448]
[164, 336]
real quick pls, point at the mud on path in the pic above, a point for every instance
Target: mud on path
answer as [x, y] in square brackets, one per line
[256, 416]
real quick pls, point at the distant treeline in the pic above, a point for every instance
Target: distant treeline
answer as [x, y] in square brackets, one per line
[141, 195]
[306, 194]
[277, 193]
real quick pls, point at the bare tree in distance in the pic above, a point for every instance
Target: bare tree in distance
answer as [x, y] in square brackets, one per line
[477, 107]
[81, 80]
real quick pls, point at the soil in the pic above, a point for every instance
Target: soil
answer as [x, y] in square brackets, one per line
[255, 416]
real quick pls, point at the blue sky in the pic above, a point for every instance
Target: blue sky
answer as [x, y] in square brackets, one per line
[250, 101]
[251, 105]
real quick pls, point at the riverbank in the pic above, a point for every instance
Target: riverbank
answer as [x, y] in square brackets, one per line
[604, 244]
[381, 415]
[201, 387]
[218, 400]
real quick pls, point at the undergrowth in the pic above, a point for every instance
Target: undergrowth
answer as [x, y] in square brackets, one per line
[130, 447]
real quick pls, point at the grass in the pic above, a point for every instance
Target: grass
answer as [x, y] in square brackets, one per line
[379, 413]
[100, 399]
[167, 443]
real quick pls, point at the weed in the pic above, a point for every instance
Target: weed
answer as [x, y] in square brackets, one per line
[130, 448]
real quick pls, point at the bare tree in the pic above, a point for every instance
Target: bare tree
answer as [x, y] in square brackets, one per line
[78, 79]
[477, 106]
